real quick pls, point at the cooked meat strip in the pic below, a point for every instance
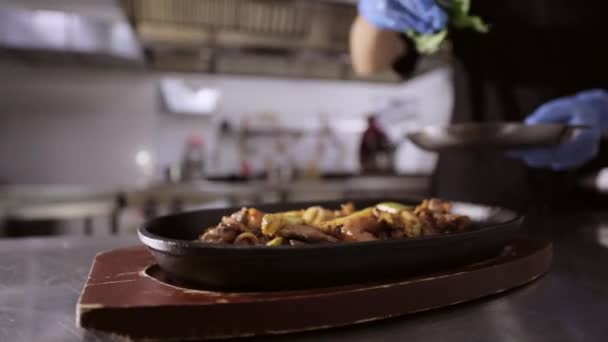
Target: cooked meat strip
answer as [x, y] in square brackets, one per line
[383, 235]
[305, 233]
[220, 234]
[362, 228]
[225, 232]
[436, 218]
[395, 233]
[435, 205]
[453, 223]
[427, 227]
[211, 235]
[240, 216]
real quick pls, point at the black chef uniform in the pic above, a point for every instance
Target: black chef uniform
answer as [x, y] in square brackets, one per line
[536, 51]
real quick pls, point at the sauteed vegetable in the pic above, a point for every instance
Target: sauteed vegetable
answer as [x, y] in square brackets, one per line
[314, 225]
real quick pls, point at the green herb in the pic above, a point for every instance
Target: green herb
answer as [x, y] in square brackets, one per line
[458, 10]
[427, 43]
[458, 13]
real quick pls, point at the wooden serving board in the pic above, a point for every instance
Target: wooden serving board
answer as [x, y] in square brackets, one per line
[127, 294]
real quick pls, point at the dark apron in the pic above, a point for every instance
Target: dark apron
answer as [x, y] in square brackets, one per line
[536, 51]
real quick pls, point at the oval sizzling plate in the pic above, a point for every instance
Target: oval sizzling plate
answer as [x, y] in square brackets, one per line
[194, 264]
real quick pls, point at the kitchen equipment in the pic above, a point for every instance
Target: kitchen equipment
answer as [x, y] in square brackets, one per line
[126, 294]
[92, 33]
[28, 210]
[230, 267]
[491, 136]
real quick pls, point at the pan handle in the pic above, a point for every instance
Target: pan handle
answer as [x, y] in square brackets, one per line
[572, 131]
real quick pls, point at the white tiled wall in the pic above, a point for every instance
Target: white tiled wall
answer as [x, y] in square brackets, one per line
[59, 126]
[82, 126]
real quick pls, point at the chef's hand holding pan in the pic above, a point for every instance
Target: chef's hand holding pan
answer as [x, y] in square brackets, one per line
[422, 16]
[587, 108]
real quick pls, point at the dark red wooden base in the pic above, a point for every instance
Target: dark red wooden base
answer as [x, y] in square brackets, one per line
[126, 294]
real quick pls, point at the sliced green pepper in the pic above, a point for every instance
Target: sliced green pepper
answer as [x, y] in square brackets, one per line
[328, 226]
[277, 241]
[272, 223]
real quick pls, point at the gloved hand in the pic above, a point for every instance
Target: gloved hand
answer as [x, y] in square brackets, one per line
[588, 108]
[421, 16]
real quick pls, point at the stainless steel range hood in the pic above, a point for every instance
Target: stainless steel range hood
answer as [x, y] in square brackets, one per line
[281, 38]
[67, 31]
[284, 38]
[289, 38]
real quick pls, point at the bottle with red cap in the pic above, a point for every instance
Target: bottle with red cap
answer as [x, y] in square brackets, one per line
[193, 159]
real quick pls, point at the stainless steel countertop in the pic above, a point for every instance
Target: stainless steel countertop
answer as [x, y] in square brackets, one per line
[32, 202]
[40, 280]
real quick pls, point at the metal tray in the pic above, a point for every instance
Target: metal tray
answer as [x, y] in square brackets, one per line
[502, 135]
[255, 268]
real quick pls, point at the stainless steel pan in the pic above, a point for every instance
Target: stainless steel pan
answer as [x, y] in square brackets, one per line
[492, 136]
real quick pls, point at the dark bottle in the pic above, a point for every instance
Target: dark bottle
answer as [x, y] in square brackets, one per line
[376, 150]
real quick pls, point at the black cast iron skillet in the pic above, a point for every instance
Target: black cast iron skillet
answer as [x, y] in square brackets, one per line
[257, 268]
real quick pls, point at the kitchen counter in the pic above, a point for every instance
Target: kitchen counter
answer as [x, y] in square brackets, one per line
[64, 202]
[41, 279]
[25, 203]
[298, 190]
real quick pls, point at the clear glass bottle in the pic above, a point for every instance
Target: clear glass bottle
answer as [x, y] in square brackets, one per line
[193, 159]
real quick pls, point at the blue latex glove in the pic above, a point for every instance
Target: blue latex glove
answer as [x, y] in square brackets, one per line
[421, 16]
[589, 108]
